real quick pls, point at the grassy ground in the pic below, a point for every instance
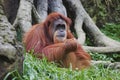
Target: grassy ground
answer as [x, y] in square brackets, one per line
[112, 30]
[35, 69]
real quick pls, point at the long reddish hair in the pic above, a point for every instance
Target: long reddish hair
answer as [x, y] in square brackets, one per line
[38, 36]
[54, 16]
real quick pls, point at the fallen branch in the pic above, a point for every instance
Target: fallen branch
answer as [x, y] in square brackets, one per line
[102, 49]
[106, 64]
[104, 44]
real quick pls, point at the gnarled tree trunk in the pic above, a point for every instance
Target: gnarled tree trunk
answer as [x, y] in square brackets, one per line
[79, 16]
[11, 57]
[22, 14]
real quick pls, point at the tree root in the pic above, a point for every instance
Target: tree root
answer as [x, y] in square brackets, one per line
[102, 49]
[106, 64]
[10, 56]
[23, 18]
[104, 44]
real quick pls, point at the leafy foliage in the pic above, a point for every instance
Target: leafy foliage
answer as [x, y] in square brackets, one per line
[112, 30]
[98, 56]
[35, 69]
[103, 11]
[19, 34]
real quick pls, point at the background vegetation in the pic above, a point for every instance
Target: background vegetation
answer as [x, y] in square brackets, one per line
[103, 11]
[113, 31]
[35, 69]
[106, 15]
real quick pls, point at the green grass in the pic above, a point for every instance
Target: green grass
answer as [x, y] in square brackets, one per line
[112, 30]
[35, 69]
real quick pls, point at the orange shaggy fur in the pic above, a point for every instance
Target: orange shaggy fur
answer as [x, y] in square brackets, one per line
[39, 38]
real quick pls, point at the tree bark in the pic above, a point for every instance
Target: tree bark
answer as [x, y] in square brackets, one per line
[24, 18]
[103, 43]
[35, 11]
[106, 64]
[81, 20]
[102, 49]
[79, 13]
[56, 6]
[10, 51]
[42, 8]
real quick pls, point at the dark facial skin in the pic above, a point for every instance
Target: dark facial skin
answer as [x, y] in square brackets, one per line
[59, 30]
[60, 27]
